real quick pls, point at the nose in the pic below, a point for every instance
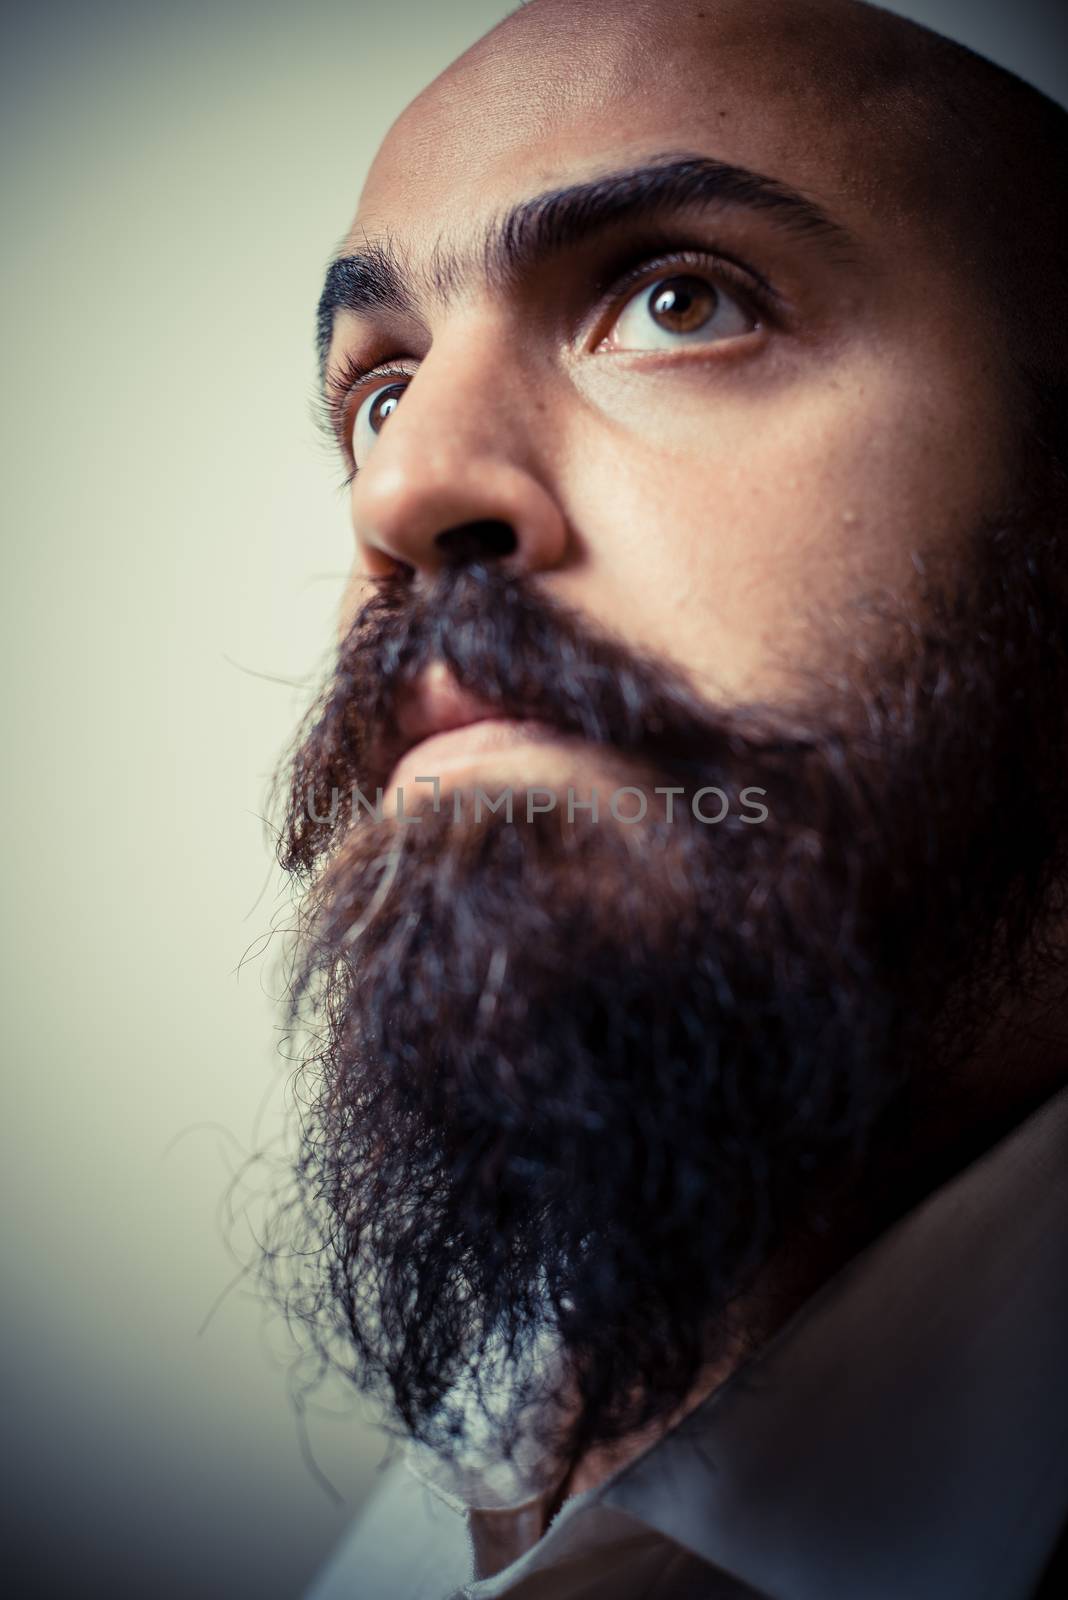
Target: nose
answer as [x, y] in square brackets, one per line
[453, 475]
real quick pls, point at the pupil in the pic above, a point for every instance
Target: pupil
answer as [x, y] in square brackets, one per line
[383, 407]
[686, 301]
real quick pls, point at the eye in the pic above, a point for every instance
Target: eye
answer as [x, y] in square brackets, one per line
[680, 309]
[371, 417]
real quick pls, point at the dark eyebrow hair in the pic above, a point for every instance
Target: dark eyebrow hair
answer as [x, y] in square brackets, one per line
[540, 227]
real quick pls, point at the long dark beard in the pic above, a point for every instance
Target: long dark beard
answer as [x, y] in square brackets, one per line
[581, 1080]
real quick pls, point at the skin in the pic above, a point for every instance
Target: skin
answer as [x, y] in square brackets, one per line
[725, 502]
[730, 503]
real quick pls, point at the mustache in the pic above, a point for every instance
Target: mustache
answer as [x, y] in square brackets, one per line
[527, 656]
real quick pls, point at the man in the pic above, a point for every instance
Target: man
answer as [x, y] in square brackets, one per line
[683, 828]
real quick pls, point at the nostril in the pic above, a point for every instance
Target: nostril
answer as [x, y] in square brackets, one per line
[475, 541]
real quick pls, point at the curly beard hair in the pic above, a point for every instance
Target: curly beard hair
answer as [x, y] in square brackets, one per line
[579, 1082]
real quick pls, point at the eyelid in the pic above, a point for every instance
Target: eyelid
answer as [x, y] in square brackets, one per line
[340, 385]
[755, 292]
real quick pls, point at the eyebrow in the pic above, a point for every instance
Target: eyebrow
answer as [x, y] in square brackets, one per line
[534, 230]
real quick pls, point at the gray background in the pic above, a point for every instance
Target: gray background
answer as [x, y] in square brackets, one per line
[174, 178]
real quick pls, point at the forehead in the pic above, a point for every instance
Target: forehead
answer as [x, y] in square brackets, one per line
[558, 94]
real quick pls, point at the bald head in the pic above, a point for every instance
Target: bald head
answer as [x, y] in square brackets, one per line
[895, 115]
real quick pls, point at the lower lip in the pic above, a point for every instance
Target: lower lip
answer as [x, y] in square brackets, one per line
[446, 754]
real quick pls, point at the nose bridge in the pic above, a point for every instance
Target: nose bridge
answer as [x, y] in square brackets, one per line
[456, 452]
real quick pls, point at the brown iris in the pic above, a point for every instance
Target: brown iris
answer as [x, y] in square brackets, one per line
[682, 304]
[384, 405]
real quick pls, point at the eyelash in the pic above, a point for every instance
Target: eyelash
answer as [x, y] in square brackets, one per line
[755, 293]
[331, 408]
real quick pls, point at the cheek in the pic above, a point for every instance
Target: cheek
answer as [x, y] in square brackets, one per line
[358, 589]
[741, 534]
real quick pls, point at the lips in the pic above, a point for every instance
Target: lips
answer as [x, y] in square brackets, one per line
[436, 704]
[441, 727]
[442, 754]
